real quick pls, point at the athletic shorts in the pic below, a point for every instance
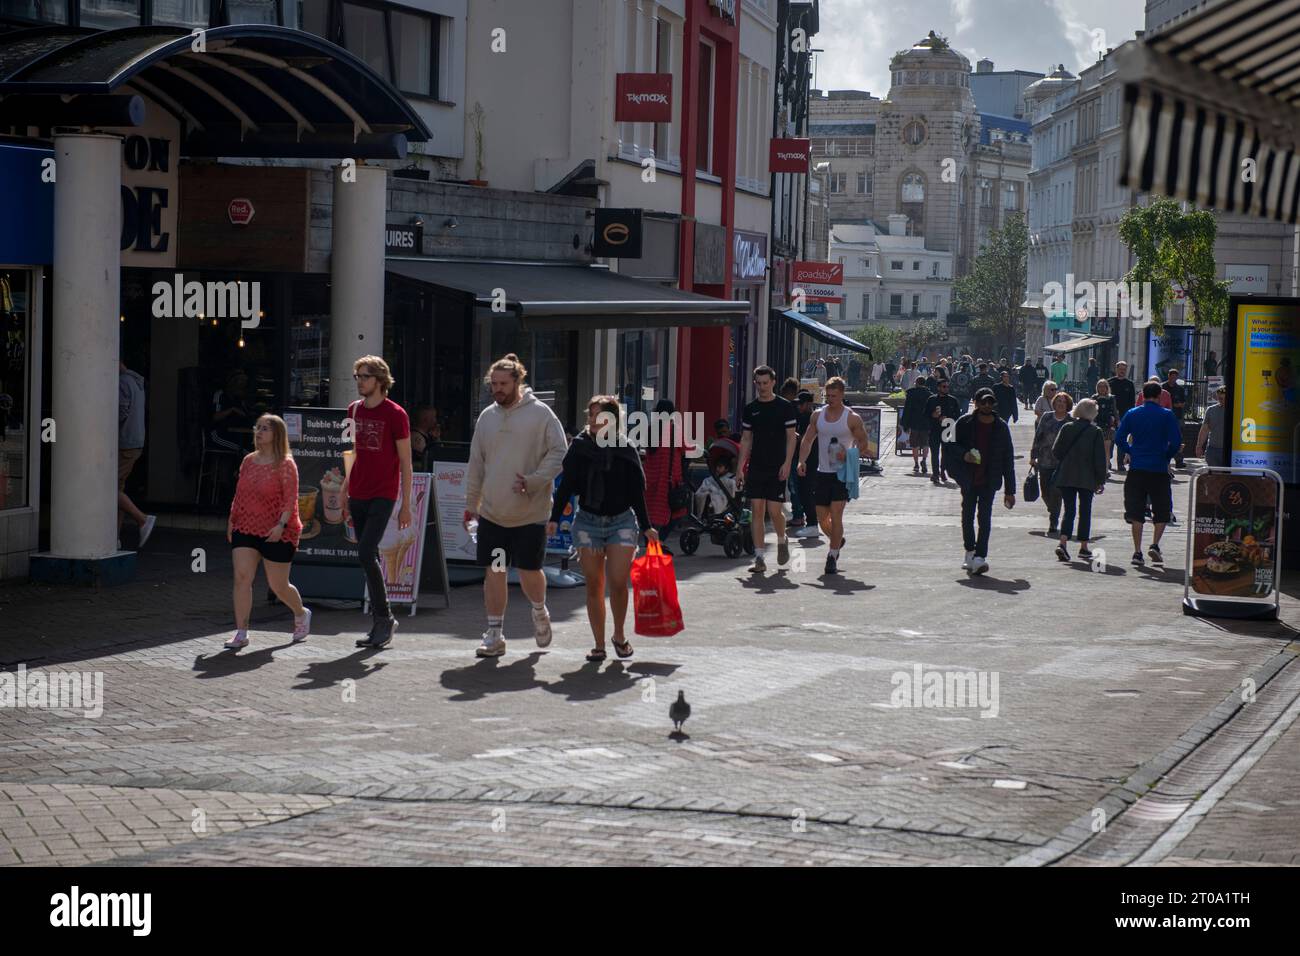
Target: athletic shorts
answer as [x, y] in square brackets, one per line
[126, 459]
[281, 552]
[766, 486]
[524, 547]
[597, 531]
[1141, 487]
[827, 488]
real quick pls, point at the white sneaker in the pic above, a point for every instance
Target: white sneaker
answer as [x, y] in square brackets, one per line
[965, 562]
[146, 529]
[240, 640]
[302, 628]
[542, 627]
[979, 565]
[494, 645]
[811, 531]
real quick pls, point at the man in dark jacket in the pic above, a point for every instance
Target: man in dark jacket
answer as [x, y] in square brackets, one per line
[1177, 404]
[940, 410]
[1028, 383]
[1008, 407]
[982, 459]
[1121, 386]
[983, 380]
[912, 420]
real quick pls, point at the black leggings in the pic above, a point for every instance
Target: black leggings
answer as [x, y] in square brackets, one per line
[370, 518]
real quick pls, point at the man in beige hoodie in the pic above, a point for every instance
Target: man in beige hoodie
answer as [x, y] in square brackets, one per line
[517, 450]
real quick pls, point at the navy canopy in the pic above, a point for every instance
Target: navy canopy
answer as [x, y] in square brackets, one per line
[822, 332]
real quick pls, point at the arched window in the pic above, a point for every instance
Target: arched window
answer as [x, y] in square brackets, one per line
[913, 188]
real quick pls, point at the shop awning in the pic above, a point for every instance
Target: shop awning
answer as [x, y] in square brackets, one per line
[252, 90]
[1075, 345]
[572, 297]
[1207, 94]
[823, 333]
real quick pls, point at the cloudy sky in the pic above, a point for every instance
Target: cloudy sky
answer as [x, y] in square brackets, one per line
[859, 36]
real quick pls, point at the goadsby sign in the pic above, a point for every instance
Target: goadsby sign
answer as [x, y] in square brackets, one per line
[820, 281]
[643, 98]
[789, 156]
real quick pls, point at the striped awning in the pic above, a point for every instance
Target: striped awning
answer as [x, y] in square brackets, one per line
[1212, 109]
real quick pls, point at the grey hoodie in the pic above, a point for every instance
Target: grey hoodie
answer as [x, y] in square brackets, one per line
[130, 409]
[525, 439]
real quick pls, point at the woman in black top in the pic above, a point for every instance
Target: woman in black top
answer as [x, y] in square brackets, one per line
[604, 470]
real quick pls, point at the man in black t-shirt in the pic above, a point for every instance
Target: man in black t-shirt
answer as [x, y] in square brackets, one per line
[941, 410]
[1178, 405]
[1121, 386]
[767, 446]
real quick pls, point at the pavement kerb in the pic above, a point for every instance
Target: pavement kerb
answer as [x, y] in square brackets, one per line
[1079, 831]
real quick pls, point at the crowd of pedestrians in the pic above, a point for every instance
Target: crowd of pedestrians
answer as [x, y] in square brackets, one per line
[522, 472]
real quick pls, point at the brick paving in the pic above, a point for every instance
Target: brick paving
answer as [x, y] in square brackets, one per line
[349, 756]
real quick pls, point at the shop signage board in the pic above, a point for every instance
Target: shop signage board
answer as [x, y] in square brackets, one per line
[1234, 544]
[618, 234]
[902, 437]
[871, 425]
[1247, 279]
[749, 257]
[789, 155]
[1171, 349]
[150, 188]
[449, 493]
[643, 98]
[820, 281]
[326, 564]
[403, 240]
[240, 211]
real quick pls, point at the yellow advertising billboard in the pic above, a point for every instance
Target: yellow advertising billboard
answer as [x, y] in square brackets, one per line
[1264, 421]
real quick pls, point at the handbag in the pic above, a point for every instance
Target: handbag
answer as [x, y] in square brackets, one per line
[1031, 485]
[654, 594]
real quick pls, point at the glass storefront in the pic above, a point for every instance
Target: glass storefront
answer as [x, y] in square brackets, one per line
[643, 368]
[550, 358]
[15, 386]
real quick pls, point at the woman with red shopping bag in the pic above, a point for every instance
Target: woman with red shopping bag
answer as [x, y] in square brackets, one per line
[604, 470]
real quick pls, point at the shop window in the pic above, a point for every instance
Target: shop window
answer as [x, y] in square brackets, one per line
[365, 35]
[414, 47]
[546, 355]
[896, 305]
[643, 369]
[194, 13]
[110, 14]
[704, 111]
[15, 333]
[34, 10]
[250, 11]
[896, 265]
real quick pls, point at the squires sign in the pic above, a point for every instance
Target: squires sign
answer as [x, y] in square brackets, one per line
[150, 191]
[643, 98]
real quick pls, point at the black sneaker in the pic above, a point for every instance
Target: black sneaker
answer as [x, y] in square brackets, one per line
[1156, 556]
[831, 567]
[383, 634]
[783, 552]
[1053, 531]
[370, 636]
[1137, 561]
[1062, 554]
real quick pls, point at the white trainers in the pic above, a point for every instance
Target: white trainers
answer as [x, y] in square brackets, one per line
[979, 565]
[146, 529]
[809, 531]
[965, 562]
[494, 644]
[240, 640]
[542, 626]
[302, 628]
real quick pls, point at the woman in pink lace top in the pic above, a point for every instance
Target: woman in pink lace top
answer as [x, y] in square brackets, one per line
[264, 526]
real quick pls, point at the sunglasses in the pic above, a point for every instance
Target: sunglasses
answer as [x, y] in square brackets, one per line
[984, 401]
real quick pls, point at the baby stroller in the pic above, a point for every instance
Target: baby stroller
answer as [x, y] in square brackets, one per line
[717, 510]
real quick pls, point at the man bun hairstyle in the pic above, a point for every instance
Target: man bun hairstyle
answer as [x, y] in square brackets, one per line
[508, 363]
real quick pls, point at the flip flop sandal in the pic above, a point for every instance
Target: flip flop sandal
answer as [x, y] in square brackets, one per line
[620, 647]
[596, 656]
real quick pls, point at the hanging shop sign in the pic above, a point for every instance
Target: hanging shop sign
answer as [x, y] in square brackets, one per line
[820, 281]
[403, 240]
[749, 257]
[789, 155]
[643, 98]
[618, 234]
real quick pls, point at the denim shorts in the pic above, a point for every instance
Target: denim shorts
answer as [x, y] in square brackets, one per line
[597, 531]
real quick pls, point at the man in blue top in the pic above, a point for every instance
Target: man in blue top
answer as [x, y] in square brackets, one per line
[1147, 437]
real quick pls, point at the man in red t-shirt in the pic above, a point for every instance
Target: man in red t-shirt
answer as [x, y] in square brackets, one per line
[381, 443]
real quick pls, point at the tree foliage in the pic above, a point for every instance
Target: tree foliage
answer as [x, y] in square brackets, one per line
[883, 341]
[925, 333]
[1171, 246]
[991, 294]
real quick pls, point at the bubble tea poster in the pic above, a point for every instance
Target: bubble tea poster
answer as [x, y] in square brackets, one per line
[316, 441]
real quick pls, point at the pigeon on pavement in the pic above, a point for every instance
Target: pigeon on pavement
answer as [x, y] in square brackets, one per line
[679, 710]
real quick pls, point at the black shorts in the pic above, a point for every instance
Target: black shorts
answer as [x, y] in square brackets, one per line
[1141, 487]
[828, 488]
[524, 547]
[765, 485]
[278, 551]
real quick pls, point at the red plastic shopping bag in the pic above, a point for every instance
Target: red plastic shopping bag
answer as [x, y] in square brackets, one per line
[654, 594]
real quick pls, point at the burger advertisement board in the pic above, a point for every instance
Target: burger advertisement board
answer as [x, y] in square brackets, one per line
[1235, 530]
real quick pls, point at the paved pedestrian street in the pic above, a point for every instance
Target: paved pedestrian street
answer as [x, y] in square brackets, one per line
[1102, 725]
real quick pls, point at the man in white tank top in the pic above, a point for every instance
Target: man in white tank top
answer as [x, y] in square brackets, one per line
[836, 428]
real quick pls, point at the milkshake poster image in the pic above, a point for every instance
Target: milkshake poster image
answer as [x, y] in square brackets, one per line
[316, 440]
[399, 549]
[1266, 394]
